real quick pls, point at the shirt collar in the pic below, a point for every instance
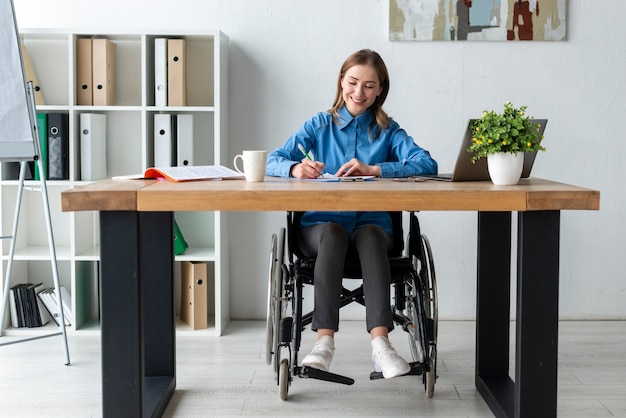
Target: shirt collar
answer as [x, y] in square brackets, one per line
[345, 118]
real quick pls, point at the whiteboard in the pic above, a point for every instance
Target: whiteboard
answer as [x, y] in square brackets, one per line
[18, 135]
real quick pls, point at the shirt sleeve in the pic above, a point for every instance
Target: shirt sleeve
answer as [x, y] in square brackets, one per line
[406, 157]
[280, 161]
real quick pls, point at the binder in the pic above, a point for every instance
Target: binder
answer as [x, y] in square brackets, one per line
[29, 73]
[42, 314]
[180, 244]
[160, 72]
[32, 317]
[84, 71]
[49, 299]
[184, 140]
[176, 67]
[193, 300]
[13, 306]
[42, 128]
[67, 303]
[58, 146]
[19, 302]
[103, 64]
[36, 317]
[93, 149]
[164, 141]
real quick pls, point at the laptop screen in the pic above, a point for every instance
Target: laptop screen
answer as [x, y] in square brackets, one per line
[466, 170]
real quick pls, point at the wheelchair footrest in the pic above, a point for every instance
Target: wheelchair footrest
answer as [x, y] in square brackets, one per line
[416, 370]
[310, 372]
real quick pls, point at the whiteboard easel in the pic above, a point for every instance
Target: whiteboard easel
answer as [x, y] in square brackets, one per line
[19, 142]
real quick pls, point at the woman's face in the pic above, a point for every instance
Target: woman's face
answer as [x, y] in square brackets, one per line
[360, 86]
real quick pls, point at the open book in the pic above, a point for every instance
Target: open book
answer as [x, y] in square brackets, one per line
[187, 173]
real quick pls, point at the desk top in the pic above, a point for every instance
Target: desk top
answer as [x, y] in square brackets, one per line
[278, 194]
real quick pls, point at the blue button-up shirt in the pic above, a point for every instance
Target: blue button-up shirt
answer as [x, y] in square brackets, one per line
[394, 151]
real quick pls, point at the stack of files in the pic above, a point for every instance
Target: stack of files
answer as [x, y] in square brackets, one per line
[58, 146]
[26, 309]
[173, 140]
[170, 66]
[93, 149]
[49, 298]
[95, 71]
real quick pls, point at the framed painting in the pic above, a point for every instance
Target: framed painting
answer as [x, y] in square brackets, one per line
[477, 20]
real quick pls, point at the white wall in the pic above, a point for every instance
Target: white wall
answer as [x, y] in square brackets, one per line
[284, 58]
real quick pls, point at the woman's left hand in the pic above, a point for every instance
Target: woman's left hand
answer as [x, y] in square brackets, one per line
[355, 167]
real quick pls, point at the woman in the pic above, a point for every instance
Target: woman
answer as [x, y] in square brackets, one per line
[354, 137]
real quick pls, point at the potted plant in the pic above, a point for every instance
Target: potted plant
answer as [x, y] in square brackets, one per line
[504, 138]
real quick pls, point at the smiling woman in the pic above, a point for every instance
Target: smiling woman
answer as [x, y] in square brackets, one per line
[354, 137]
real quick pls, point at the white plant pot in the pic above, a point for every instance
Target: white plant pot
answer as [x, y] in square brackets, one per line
[505, 169]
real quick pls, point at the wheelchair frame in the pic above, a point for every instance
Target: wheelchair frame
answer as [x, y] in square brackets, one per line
[414, 290]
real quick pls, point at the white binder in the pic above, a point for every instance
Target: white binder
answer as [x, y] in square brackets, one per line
[160, 72]
[93, 149]
[164, 146]
[184, 140]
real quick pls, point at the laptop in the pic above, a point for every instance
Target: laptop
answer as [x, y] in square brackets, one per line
[466, 170]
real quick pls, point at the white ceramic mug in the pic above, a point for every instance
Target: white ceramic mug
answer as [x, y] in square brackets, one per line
[253, 164]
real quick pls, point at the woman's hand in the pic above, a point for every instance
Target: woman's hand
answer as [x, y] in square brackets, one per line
[355, 167]
[307, 169]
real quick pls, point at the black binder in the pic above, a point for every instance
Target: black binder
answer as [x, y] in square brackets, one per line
[58, 146]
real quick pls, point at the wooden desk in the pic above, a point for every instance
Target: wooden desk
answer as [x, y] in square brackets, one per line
[137, 265]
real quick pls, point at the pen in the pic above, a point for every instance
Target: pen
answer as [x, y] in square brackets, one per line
[303, 151]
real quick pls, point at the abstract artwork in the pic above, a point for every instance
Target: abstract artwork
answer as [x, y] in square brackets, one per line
[477, 20]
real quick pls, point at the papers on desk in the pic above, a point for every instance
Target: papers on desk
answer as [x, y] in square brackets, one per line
[186, 173]
[325, 177]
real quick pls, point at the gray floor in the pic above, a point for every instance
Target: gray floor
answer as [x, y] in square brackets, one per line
[229, 376]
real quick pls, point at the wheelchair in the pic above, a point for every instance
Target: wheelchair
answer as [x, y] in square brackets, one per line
[414, 306]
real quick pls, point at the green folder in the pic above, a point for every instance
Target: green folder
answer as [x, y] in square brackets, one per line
[180, 245]
[42, 127]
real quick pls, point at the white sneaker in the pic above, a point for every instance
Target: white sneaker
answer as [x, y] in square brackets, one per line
[386, 359]
[322, 354]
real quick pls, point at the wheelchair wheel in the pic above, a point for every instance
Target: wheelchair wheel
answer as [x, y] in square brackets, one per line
[427, 272]
[422, 310]
[283, 379]
[274, 296]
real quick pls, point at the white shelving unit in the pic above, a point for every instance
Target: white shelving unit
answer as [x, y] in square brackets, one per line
[129, 151]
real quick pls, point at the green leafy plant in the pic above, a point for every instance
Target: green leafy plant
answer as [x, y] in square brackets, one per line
[510, 131]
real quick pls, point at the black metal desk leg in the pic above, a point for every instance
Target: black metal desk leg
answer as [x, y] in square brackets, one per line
[534, 391]
[137, 314]
[493, 311]
[536, 353]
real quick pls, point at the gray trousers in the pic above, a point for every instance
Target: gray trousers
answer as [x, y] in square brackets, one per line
[329, 243]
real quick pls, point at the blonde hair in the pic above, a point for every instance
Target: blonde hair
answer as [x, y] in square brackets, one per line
[372, 59]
